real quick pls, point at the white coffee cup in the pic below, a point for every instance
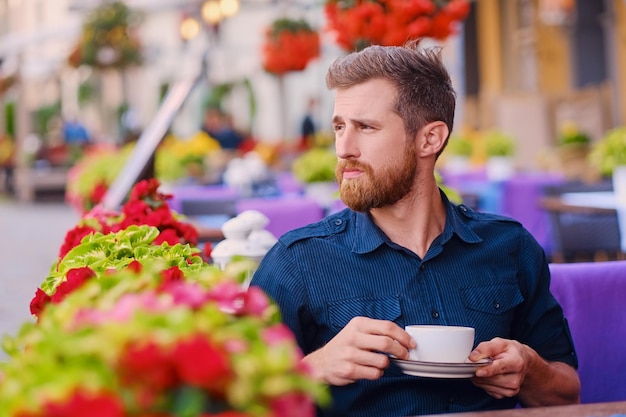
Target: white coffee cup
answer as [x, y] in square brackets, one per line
[444, 344]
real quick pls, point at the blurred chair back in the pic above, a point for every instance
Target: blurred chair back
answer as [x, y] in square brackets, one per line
[198, 193]
[583, 236]
[592, 295]
[284, 213]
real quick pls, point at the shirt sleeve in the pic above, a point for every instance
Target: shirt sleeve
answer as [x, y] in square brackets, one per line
[279, 276]
[543, 325]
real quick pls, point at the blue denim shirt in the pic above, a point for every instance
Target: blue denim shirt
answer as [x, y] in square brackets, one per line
[484, 271]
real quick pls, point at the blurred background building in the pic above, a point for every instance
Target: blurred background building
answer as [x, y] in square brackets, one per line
[523, 66]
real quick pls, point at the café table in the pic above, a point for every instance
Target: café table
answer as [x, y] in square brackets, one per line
[579, 410]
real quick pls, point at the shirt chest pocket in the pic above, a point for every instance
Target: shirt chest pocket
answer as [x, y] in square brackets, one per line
[491, 308]
[493, 298]
[382, 308]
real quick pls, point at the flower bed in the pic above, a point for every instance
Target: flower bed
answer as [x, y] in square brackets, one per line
[133, 321]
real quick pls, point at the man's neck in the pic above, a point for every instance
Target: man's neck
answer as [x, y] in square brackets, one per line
[415, 221]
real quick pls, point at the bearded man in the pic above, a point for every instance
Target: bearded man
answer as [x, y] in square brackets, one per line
[403, 254]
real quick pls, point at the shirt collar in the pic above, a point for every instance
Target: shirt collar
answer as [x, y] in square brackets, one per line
[368, 236]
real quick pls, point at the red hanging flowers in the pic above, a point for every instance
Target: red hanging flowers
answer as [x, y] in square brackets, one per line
[289, 46]
[360, 23]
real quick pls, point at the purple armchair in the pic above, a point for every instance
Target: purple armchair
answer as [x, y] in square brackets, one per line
[593, 296]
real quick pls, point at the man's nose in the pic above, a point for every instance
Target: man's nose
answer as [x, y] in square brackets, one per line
[346, 144]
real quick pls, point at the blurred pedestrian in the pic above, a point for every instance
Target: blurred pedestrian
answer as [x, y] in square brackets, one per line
[308, 126]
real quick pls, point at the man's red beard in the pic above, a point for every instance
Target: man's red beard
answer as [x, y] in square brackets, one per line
[376, 189]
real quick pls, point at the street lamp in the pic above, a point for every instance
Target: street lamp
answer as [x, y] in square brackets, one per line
[212, 12]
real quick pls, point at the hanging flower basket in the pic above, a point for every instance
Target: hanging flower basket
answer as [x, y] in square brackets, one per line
[108, 39]
[360, 23]
[289, 46]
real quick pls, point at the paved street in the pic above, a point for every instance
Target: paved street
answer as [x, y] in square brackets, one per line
[30, 237]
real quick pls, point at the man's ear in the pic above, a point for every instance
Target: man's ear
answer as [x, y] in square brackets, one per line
[432, 138]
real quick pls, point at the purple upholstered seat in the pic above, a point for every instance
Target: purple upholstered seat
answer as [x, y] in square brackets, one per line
[593, 296]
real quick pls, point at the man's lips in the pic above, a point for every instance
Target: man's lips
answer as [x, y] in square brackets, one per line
[351, 172]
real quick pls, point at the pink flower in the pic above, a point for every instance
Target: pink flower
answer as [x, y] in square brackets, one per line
[292, 404]
[277, 334]
[255, 302]
[189, 294]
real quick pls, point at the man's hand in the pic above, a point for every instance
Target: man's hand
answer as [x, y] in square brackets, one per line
[505, 375]
[359, 351]
[518, 370]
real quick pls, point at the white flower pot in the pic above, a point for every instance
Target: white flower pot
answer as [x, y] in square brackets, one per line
[322, 192]
[619, 184]
[500, 168]
[457, 164]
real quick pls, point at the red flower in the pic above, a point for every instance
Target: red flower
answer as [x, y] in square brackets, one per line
[38, 302]
[206, 250]
[289, 46]
[148, 365]
[73, 238]
[201, 363]
[97, 194]
[135, 266]
[75, 278]
[172, 274]
[82, 404]
[392, 22]
[169, 236]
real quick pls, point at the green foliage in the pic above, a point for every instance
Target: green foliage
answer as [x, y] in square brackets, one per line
[9, 118]
[291, 25]
[115, 251]
[219, 92]
[498, 143]
[452, 194]
[107, 39]
[43, 115]
[459, 146]
[576, 138]
[315, 165]
[610, 152]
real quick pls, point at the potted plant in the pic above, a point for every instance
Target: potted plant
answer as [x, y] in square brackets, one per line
[573, 151]
[315, 168]
[358, 24]
[108, 38]
[459, 151]
[290, 44]
[499, 149]
[609, 156]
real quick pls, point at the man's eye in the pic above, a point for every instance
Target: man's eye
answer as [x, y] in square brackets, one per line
[337, 128]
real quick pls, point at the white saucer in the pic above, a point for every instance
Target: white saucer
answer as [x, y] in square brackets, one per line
[440, 370]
